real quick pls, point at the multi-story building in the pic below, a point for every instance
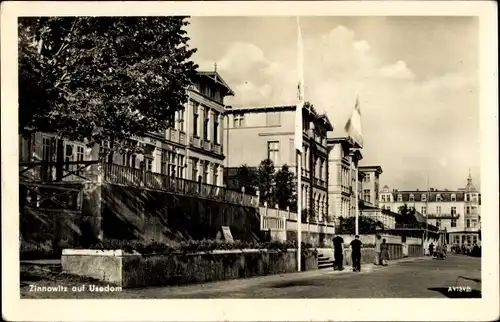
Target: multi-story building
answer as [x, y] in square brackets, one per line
[343, 159]
[370, 194]
[257, 133]
[456, 212]
[191, 148]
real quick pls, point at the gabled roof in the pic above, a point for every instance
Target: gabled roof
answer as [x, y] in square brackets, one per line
[216, 77]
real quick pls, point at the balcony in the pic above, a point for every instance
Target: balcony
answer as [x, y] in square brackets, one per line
[195, 141]
[128, 176]
[206, 146]
[216, 148]
[176, 136]
[443, 216]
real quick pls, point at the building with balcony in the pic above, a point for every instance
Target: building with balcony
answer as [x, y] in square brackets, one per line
[257, 133]
[342, 163]
[457, 213]
[371, 181]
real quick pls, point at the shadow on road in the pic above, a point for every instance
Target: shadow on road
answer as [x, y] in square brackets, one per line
[293, 284]
[473, 294]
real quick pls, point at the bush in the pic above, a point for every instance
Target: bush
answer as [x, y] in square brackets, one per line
[192, 246]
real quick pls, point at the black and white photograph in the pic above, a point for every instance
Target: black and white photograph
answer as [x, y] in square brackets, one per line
[245, 156]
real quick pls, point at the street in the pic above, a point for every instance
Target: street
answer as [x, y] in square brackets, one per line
[413, 278]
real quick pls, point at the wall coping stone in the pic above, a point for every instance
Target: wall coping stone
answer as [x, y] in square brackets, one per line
[122, 253]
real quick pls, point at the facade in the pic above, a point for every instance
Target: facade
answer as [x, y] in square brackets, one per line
[370, 193]
[457, 213]
[191, 148]
[342, 163]
[257, 133]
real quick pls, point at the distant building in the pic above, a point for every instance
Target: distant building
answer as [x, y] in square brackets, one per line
[342, 163]
[257, 133]
[371, 182]
[457, 213]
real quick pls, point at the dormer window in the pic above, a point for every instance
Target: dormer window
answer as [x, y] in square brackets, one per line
[438, 198]
[412, 198]
[453, 197]
[424, 197]
[400, 198]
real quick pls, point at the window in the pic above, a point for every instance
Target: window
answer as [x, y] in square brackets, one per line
[367, 178]
[194, 170]
[205, 171]
[467, 210]
[438, 198]
[206, 120]
[172, 158]
[438, 210]
[47, 149]
[164, 162]
[216, 175]
[366, 195]
[466, 197]
[383, 198]
[453, 197]
[181, 119]
[453, 210]
[400, 198]
[412, 198]
[453, 223]
[273, 151]
[239, 120]
[474, 210]
[180, 166]
[423, 210]
[468, 223]
[424, 197]
[388, 198]
[216, 128]
[149, 164]
[272, 118]
[474, 223]
[195, 119]
[68, 155]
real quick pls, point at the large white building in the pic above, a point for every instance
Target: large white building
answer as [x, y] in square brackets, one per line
[456, 212]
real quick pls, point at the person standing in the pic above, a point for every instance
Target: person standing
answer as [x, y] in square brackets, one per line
[384, 252]
[431, 249]
[356, 254]
[377, 250]
[338, 253]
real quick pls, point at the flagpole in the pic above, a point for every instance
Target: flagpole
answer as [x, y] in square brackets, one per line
[356, 200]
[427, 212]
[298, 141]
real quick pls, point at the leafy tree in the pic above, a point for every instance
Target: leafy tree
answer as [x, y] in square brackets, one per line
[285, 187]
[366, 225]
[266, 181]
[408, 216]
[247, 178]
[102, 78]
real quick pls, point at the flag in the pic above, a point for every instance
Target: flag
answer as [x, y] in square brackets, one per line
[353, 125]
[300, 90]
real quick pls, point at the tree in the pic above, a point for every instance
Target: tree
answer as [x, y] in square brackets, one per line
[91, 79]
[247, 178]
[285, 183]
[366, 225]
[266, 181]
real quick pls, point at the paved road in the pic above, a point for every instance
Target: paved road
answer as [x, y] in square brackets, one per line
[422, 278]
[417, 278]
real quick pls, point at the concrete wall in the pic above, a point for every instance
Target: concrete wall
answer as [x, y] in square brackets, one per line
[137, 270]
[141, 214]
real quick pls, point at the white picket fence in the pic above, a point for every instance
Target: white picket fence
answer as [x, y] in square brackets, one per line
[279, 221]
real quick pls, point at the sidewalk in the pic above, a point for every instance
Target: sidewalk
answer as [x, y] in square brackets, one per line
[238, 284]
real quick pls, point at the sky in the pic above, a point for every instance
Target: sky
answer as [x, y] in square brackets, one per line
[416, 79]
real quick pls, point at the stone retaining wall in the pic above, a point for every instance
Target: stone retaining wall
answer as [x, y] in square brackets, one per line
[135, 270]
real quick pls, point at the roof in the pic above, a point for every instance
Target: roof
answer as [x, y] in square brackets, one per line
[347, 141]
[432, 195]
[371, 168]
[215, 76]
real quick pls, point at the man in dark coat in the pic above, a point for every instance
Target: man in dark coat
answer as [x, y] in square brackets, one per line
[356, 254]
[338, 253]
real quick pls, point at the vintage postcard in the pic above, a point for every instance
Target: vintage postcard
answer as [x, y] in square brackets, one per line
[250, 161]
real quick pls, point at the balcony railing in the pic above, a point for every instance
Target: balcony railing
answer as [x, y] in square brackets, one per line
[216, 148]
[206, 145]
[443, 216]
[137, 177]
[195, 141]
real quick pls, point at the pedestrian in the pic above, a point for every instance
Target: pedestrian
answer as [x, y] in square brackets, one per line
[377, 250]
[384, 252]
[338, 253]
[431, 249]
[356, 254]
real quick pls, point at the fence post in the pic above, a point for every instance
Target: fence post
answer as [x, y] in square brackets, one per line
[262, 216]
[286, 215]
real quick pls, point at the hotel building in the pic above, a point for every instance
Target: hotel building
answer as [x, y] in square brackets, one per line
[257, 133]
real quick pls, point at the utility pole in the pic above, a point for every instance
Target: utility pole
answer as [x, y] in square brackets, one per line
[427, 211]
